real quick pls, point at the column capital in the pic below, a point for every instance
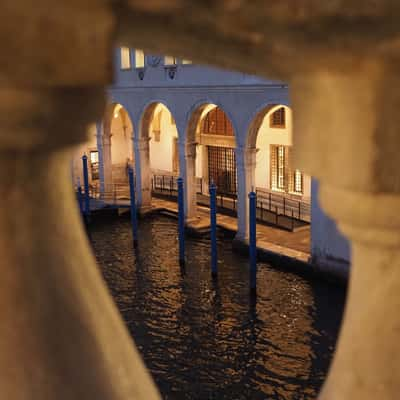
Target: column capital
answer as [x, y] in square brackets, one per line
[190, 149]
[47, 118]
[346, 125]
[364, 217]
[142, 143]
[246, 156]
[346, 135]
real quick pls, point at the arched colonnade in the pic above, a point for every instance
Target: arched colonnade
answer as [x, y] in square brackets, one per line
[205, 141]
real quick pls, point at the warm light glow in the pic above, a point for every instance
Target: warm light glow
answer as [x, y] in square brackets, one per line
[139, 58]
[125, 58]
[117, 110]
[169, 60]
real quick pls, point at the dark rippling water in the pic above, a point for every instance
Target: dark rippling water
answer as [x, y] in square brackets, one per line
[206, 340]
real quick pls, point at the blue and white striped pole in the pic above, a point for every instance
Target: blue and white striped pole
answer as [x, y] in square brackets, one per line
[86, 185]
[181, 221]
[133, 205]
[213, 223]
[252, 241]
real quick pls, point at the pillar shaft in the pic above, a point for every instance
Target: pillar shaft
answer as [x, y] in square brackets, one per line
[352, 146]
[143, 172]
[62, 336]
[190, 180]
[246, 164]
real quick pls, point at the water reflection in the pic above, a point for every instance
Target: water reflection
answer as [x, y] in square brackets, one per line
[205, 339]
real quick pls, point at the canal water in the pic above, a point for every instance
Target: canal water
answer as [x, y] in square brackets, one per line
[205, 339]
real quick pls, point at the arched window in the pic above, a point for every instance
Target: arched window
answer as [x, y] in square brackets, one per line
[278, 118]
[216, 123]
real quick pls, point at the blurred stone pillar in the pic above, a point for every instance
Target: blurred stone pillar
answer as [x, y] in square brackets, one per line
[62, 336]
[347, 135]
[246, 167]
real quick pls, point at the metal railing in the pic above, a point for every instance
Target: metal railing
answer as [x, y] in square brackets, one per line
[165, 184]
[112, 194]
[283, 204]
[279, 209]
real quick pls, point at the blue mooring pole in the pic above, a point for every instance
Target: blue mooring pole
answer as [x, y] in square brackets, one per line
[86, 186]
[133, 205]
[252, 241]
[213, 222]
[181, 221]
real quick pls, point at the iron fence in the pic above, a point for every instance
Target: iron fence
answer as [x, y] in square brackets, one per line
[279, 209]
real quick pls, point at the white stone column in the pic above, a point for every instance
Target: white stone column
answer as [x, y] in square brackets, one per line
[99, 143]
[143, 173]
[347, 135]
[190, 181]
[61, 334]
[107, 162]
[204, 172]
[246, 166]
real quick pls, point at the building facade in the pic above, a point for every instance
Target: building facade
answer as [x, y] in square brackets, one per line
[168, 117]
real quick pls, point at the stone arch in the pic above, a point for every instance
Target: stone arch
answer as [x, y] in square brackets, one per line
[198, 111]
[153, 158]
[264, 138]
[257, 120]
[196, 152]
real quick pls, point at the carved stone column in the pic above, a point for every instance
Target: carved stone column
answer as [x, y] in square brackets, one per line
[61, 335]
[347, 135]
[190, 181]
[143, 173]
[246, 166]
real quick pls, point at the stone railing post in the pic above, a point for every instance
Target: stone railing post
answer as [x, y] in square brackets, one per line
[347, 135]
[61, 336]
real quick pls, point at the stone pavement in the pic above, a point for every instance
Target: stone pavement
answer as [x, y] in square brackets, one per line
[295, 245]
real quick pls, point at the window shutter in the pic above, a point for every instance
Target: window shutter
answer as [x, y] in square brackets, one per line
[289, 173]
[273, 166]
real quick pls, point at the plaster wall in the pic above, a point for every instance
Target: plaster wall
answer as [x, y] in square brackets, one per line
[162, 151]
[121, 140]
[266, 137]
[121, 146]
